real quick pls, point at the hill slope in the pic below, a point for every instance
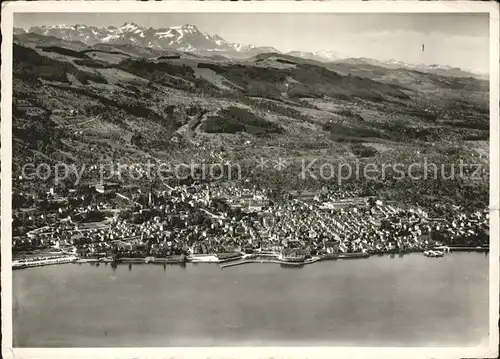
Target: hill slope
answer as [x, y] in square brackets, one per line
[86, 104]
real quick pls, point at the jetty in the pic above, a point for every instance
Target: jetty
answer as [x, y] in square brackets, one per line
[272, 261]
[256, 259]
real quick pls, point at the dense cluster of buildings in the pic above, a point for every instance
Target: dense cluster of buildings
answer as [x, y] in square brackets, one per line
[210, 219]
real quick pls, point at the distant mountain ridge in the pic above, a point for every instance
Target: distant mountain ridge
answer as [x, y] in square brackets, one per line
[188, 38]
[322, 56]
[393, 64]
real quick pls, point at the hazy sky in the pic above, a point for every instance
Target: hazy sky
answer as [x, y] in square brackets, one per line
[460, 40]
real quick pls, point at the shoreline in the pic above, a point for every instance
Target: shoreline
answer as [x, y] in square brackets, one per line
[237, 260]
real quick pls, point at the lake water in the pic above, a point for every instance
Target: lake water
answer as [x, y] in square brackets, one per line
[378, 301]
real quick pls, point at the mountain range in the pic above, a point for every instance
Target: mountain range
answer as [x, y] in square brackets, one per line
[188, 38]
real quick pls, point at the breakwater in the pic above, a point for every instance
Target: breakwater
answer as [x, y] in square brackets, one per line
[275, 261]
[295, 264]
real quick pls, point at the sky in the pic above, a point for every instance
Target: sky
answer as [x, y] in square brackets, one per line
[458, 40]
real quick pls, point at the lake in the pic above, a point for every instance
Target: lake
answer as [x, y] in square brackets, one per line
[378, 301]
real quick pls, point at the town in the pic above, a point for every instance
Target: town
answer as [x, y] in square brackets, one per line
[222, 222]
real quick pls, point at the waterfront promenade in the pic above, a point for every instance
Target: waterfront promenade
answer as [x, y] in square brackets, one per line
[236, 260]
[38, 262]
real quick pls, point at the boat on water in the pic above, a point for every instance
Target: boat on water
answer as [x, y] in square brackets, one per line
[132, 260]
[171, 260]
[203, 258]
[292, 258]
[329, 256]
[433, 253]
[292, 264]
[353, 255]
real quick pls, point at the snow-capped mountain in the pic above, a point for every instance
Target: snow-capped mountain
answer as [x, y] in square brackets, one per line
[397, 63]
[185, 38]
[438, 69]
[322, 56]
[188, 38]
[330, 55]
